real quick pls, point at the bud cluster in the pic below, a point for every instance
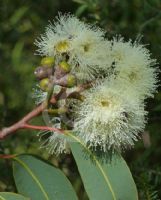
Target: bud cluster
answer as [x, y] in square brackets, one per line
[50, 74]
[110, 114]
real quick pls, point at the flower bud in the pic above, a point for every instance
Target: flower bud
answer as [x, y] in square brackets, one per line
[44, 84]
[43, 72]
[69, 80]
[61, 70]
[47, 61]
[64, 66]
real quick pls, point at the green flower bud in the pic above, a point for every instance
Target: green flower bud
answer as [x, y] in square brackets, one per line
[71, 80]
[64, 66]
[47, 61]
[44, 84]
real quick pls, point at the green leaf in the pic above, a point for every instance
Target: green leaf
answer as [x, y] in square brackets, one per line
[17, 53]
[38, 180]
[18, 14]
[11, 196]
[80, 10]
[80, 1]
[110, 179]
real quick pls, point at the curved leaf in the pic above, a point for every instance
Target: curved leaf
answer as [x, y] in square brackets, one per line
[81, 9]
[11, 196]
[110, 180]
[38, 180]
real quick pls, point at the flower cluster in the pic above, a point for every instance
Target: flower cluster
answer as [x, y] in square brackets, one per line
[85, 46]
[110, 114]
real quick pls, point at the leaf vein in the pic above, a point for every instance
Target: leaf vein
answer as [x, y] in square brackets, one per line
[98, 164]
[2, 198]
[33, 176]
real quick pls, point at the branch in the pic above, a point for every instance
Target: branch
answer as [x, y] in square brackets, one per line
[28, 126]
[146, 23]
[20, 124]
[3, 156]
[24, 122]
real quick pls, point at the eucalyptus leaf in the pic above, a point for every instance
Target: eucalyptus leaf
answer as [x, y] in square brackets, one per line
[41, 181]
[11, 196]
[17, 53]
[81, 9]
[18, 14]
[109, 179]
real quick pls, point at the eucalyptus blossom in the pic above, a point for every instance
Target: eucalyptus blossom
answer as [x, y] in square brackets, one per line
[100, 85]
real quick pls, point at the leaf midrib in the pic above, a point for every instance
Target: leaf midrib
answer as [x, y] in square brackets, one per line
[98, 164]
[14, 194]
[2, 198]
[26, 167]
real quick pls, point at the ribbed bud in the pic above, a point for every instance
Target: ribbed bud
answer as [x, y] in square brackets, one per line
[59, 111]
[47, 61]
[64, 66]
[71, 80]
[61, 71]
[43, 72]
[44, 84]
[68, 80]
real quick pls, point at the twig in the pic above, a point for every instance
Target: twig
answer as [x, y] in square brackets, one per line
[24, 122]
[8, 156]
[149, 21]
[28, 126]
[20, 124]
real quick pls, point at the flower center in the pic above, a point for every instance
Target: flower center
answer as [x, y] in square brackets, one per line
[132, 76]
[118, 56]
[62, 46]
[86, 47]
[105, 103]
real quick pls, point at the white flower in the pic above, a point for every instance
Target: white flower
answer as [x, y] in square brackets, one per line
[51, 44]
[90, 54]
[87, 50]
[112, 113]
[108, 119]
[39, 95]
[56, 142]
[133, 68]
[67, 26]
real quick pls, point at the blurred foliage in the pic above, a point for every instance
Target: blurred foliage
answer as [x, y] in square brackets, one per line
[21, 22]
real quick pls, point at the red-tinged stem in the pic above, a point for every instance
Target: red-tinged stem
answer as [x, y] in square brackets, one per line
[47, 128]
[20, 124]
[23, 123]
[3, 156]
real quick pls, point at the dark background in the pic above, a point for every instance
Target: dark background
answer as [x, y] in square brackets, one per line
[21, 22]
